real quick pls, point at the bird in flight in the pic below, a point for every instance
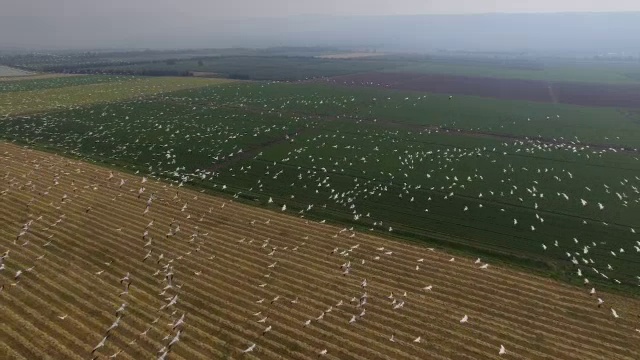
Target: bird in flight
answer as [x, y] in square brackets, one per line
[250, 348]
[100, 344]
[502, 350]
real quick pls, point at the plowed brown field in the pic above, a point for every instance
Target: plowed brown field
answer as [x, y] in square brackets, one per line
[86, 232]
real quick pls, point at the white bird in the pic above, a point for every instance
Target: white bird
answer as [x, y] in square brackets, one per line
[464, 319]
[250, 348]
[502, 350]
[614, 313]
[484, 266]
[100, 344]
[323, 352]
[417, 340]
[121, 308]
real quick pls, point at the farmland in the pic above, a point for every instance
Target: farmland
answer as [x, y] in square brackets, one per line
[294, 64]
[554, 70]
[310, 216]
[236, 270]
[52, 81]
[261, 67]
[400, 164]
[69, 95]
[587, 94]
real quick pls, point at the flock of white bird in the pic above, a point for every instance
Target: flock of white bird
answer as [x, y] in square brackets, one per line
[357, 170]
[170, 291]
[197, 140]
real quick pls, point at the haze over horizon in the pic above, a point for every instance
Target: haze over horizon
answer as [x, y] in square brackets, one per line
[541, 25]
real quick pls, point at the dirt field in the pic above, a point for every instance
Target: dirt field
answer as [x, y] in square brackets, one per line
[77, 233]
[513, 89]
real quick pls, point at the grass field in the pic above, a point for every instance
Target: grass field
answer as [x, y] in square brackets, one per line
[237, 270]
[84, 92]
[387, 160]
[592, 73]
[53, 81]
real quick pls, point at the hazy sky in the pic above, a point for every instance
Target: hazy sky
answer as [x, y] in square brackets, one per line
[49, 24]
[261, 8]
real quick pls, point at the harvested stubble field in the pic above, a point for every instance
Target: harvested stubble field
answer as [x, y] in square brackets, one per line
[82, 239]
[48, 95]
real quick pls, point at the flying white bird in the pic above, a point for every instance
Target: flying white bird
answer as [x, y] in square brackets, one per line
[100, 344]
[266, 330]
[502, 350]
[250, 348]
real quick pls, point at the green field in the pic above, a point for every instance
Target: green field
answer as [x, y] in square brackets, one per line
[57, 82]
[574, 72]
[379, 160]
[416, 111]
